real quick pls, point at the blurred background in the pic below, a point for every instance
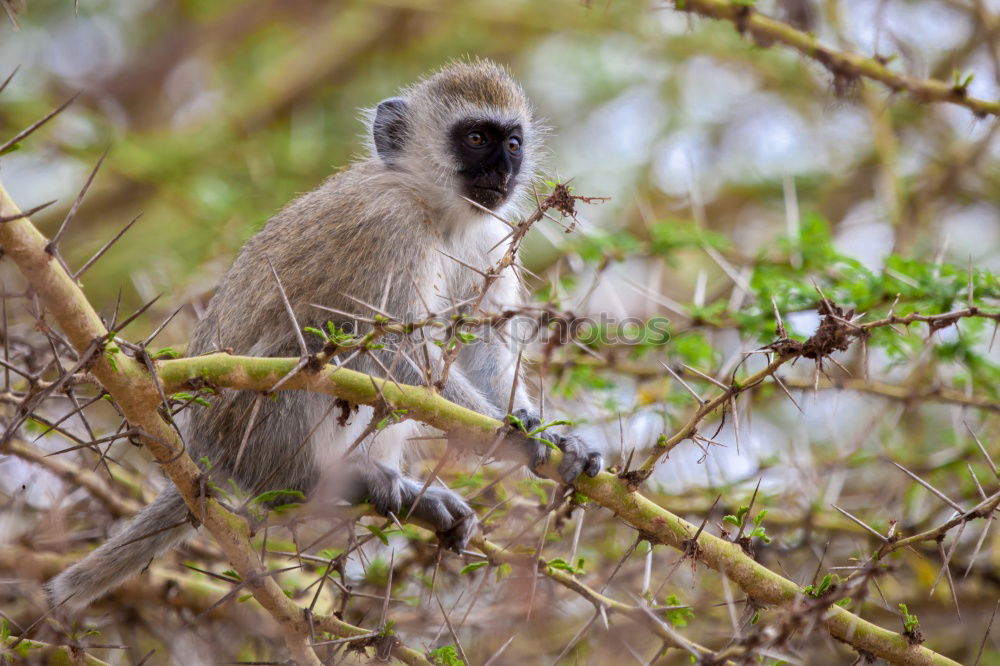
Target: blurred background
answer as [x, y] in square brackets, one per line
[722, 159]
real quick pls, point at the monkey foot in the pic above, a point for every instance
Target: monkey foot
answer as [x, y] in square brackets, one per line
[390, 492]
[578, 456]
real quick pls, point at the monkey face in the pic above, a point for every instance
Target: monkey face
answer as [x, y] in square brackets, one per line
[489, 156]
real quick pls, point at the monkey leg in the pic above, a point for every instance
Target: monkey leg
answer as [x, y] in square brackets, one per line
[578, 456]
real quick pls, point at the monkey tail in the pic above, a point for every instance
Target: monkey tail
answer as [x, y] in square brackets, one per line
[155, 529]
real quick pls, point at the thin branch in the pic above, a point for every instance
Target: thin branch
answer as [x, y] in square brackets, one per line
[842, 64]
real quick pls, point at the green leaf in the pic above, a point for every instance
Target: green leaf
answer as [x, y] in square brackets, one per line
[184, 396]
[560, 564]
[678, 617]
[910, 622]
[338, 335]
[109, 354]
[446, 655]
[474, 566]
[316, 331]
[379, 532]
[514, 421]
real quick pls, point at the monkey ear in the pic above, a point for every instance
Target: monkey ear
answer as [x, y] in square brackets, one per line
[390, 127]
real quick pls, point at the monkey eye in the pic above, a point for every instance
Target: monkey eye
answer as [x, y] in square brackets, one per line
[476, 139]
[514, 144]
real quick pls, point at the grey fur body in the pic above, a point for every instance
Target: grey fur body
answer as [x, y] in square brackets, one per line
[381, 232]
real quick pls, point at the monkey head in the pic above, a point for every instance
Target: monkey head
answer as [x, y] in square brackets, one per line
[469, 126]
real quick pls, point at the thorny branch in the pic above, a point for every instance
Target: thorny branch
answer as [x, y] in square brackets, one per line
[845, 66]
[607, 489]
[561, 199]
[835, 333]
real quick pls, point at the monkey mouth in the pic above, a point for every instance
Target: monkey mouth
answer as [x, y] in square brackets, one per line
[489, 196]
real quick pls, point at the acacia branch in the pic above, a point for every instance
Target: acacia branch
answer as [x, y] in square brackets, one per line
[420, 403]
[844, 65]
[13, 647]
[984, 509]
[931, 393]
[707, 407]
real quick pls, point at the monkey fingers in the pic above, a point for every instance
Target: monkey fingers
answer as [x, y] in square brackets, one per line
[391, 493]
[578, 457]
[532, 448]
[452, 519]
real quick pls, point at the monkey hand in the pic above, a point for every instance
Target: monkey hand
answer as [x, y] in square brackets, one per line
[440, 508]
[578, 456]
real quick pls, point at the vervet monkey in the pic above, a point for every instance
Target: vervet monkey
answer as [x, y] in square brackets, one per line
[389, 232]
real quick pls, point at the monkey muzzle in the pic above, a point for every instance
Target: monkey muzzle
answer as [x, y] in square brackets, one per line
[490, 189]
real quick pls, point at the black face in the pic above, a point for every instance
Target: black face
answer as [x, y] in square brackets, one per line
[490, 157]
